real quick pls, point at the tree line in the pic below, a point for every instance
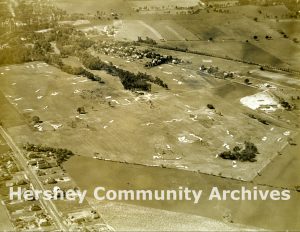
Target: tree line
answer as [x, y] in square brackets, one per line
[129, 80]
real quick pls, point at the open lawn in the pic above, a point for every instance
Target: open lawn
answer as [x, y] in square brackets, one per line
[170, 128]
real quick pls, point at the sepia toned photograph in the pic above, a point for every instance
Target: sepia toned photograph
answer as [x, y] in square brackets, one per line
[149, 115]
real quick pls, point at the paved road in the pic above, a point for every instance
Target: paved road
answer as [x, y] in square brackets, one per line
[48, 205]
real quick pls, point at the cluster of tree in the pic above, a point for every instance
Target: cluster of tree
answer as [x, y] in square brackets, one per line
[286, 105]
[15, 55]
[157, 59]
[214, 71]
[36, 48]
[248, 153]
[80, 43]
[79, 71]
[261, 120]
[147, 40]
[130, 81]
[40, 49]
[60, 154]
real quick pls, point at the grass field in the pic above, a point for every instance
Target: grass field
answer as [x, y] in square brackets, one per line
[171, 128]
[92, 6]
[92, 173]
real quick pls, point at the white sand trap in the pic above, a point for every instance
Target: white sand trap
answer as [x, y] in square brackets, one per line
[287, 133]
[234, 165]
[28, 110]
[264, 138]
[183, 139]
[261, 101]
[56, 126]
[54, 94]
[194, 118]
[18, 99]
[40, 97]
[182, 167]
[115, 101]
[173, 120]
[157, 157]
[197, 137]
[169, 73]
[226, 146]
[39, 127]
[81, 22]
[178, 82]
[148, 124]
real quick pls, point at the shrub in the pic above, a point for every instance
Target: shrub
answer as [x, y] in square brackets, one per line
[210, 106]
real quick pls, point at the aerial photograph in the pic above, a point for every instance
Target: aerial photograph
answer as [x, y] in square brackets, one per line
[150, 115]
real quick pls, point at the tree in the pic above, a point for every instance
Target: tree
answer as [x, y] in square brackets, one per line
[268, 37]
[248, 153]
[36, 119]
[210, 106]
[247, 81]
[81, 110]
